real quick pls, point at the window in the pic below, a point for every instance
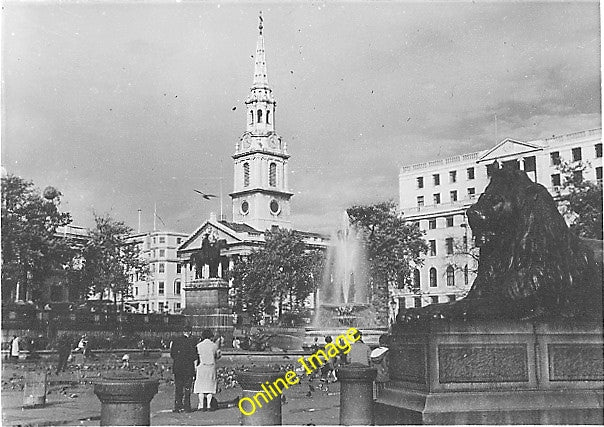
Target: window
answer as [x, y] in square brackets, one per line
[599, 173]
[465, 242]
[259, 120]
[160, 306]
[420, 182]
[162, 239]
[453, 194]
[162, 253]
[178, 240]
[452, 297]
[161, 288]
[449, 221]
[152, 267]
[453, 176]
[466, 275]
[530, 164]
[251, 117]
[178, 268]
[450, 276]
[432, 224]
[470, 172]
[177, 287]
[577, 176]
[154, 241]
[416, 278]
[576, 154]
[176, 306]
[434, 299]
[436, 198]
[449, 244]
[471, 192]
[246, 174]
[554, 158]
[599, 150]
[436, 179]
[433, 281]
[162, 267]
[136, 291]
[556, 180]
[432, 247]
[272, 174]
[420, 200]
[417, 301]
[268, 114]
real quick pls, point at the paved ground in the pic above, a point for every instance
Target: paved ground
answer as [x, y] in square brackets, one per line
[70, 399]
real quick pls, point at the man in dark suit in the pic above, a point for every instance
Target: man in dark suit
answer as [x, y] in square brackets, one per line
[184, 353]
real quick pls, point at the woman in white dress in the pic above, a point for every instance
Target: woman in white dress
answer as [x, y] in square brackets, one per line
[205, 379]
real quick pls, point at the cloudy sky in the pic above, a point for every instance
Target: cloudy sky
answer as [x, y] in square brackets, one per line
[123, 105]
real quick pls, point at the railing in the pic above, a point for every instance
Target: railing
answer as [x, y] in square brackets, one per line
[575, 135]
[441, 206]
[440, 162]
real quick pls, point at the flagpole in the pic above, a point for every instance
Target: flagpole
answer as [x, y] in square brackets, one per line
[221, 215]
[155, 216]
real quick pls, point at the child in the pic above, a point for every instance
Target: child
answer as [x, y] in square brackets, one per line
[379, 360]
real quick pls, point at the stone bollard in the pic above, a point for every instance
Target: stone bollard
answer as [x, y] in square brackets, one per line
[34, 391]
[125, 399]
[254, 400]
[356, 394]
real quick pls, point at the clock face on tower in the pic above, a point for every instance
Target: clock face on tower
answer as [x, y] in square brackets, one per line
[245, 207]
[275, 207]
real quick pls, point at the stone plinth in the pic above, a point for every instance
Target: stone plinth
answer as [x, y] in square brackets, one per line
[125, 399]
[207, 306]
[261, 412]
[499, 372]
[356, 394]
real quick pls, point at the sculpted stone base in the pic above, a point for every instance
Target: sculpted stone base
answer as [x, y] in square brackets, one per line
[207, 306]
[499, 372]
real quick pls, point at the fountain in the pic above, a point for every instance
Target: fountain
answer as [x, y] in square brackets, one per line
[343, 300]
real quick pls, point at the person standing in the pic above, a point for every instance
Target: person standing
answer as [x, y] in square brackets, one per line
[182, 351]
[360, 352]
[379, 360]
[205, 380]
[15, 348]
[64, 348]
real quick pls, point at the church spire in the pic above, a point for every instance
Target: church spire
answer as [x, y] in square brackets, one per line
[260, 76]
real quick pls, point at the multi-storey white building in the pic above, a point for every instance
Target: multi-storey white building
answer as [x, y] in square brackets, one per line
[162, 290]
[437, 193]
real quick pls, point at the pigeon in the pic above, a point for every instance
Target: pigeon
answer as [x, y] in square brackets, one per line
[204, 195]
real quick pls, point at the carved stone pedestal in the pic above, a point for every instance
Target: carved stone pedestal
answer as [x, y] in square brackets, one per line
[207, 306]
[356, 394]
[499, 372]
[264, 408]
[125, 399]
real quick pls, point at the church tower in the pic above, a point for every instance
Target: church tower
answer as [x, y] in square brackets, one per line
[260, 195]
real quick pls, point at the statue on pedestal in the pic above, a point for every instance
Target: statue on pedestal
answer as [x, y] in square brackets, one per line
[530, 265]
[208, 255]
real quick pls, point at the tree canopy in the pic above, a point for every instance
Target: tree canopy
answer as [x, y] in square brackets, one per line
[582, 201]
[393, 247]
[31, 250]
[277, 277]
[109, 259]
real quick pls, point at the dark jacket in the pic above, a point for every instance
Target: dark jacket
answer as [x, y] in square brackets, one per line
[184, 353]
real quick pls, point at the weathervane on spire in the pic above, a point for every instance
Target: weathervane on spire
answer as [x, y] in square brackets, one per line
[260, 24]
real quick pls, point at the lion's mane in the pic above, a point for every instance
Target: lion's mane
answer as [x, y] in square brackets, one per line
[530, 263]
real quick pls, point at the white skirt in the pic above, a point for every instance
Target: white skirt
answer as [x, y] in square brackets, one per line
[205, 379]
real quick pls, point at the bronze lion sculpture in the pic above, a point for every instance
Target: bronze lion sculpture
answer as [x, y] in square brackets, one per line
[530, 264]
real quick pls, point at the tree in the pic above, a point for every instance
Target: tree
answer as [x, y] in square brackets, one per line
[277, 277]
[581, 200]
[392, 245]
[31, 250]
[109, 260]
